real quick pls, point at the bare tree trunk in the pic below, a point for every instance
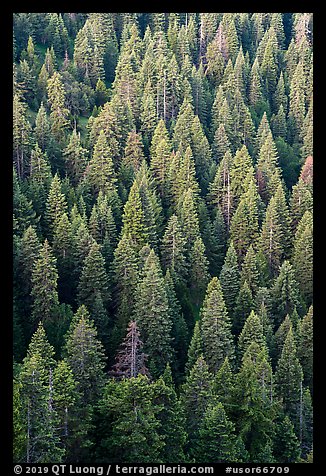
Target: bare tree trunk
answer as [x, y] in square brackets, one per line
[51, 391]
[301, 414]
[201, 40]
[229, 200]
[66, 422]
[270, 245]
[164, 97]
[28, 446]
[133, 354]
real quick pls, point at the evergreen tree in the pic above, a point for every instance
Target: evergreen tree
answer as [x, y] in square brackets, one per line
[42, 128]
[255, 85]
[220, 193]
[21, 136]
[216, 328]
[93, 278]
[128, 415]
[179, 329]
[216, 437]
[42, 443]
[243, 306]
[64, 399]
[287, 445]
[40, 170]
[195, 349]
[223, 385]
[39, 416]
[250, 271]
[297, 102]
[306, 423]
[196, 397]
[241, 168]
[152, 315]
[272, 238]
[305, 347]
[288, 379]
[280, 336]
[188, 217]
[172, 418]
[254, 412]
[59, 113]
[252, 331]
[285, 292]
[19, 435]
[125, 267]
[263, 132]
[278, 123]
[280, 97]
[268, 173]
[198, 271]
[132, 159]
[28, 252]
[244, 224]
[173, 250]
[100, 170]
[269, 67]
[63, 250]
[229, 278]
[75, 156]
[44, 286]
[302, 256]
[300, 202]
[133, 219]
[56, 205]
[221, 143]
[85, 356]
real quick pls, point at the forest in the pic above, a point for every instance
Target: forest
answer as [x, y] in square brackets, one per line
[163, 237]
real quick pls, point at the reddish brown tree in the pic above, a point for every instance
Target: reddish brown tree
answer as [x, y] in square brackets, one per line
[307, 171]
[130, 360]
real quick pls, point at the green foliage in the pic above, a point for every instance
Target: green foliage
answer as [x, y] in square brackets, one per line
[156, 157]
[215, 326]
[288, 378]
[44, 286]
[130, 415]
[229, 278]
[195, 398]
[153, 316]
[302, 256]
[216, 437]
[93, 279]
[85, 356]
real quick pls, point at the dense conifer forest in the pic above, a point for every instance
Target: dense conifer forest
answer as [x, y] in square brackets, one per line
[162, 265]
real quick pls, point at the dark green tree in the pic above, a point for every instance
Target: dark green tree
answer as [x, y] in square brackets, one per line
[152, 315]
[196, 396]
[44, 286]
[59, 112]
[288, 379]
[216, 438]
[303, 256]
[305, 347]
[129, 415]
[85, 356]
[173, 250]
[93, 278]
[198, 271]
[229, 278]
[216, 328]
[287, 445]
